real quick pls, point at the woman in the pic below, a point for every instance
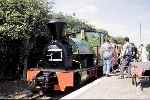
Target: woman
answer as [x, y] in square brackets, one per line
[144, 53]
[115, 58]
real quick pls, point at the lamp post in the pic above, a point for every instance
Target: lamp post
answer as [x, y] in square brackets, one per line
[140, 33]
[140, 28]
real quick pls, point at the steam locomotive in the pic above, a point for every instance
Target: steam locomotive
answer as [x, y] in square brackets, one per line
[67, 61]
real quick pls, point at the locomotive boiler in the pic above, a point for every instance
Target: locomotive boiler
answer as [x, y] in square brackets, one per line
[66, 61]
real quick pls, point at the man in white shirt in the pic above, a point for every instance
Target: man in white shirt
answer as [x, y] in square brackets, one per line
[106, 51]
[126, 56]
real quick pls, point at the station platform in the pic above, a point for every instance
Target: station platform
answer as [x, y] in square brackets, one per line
[110, 88]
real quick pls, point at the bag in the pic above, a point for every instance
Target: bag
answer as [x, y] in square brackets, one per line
[107, 55]
[128, 51]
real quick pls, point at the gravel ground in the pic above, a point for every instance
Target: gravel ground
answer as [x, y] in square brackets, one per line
[8, 88]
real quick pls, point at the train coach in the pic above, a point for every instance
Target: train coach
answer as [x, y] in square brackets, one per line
[66, 62]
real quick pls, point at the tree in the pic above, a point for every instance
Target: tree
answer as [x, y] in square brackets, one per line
[148, 50]
[118, 40]
[22, 21]
[22, 18]
[74, 24]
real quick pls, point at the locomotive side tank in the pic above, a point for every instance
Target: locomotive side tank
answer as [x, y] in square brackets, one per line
[66, 62]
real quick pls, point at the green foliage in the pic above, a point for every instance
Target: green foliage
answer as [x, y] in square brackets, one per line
[148, 48]
[118, 40]
[21, 19]
[21, 22]
[74, 24]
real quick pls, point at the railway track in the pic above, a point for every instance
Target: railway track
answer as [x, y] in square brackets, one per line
[29, 95]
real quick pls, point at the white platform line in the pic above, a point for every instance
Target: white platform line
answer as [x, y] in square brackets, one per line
[83, 89]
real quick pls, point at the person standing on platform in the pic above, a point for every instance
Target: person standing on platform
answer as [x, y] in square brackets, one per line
[115, 57]
[126, 56]
[107, 54]
[143, 54]
[118, 51]
[134, 53]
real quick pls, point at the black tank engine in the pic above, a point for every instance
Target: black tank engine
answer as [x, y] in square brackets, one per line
[66, 61]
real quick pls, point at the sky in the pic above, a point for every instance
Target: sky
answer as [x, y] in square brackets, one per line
[118, 17]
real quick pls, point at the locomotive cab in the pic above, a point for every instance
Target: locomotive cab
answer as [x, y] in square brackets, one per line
[82, 53]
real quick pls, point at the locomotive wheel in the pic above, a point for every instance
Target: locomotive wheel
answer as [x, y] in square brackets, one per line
[32, 85]
[99, 72]
[69, 89]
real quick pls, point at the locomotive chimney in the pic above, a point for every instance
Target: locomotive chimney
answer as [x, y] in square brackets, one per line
[57, 28]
